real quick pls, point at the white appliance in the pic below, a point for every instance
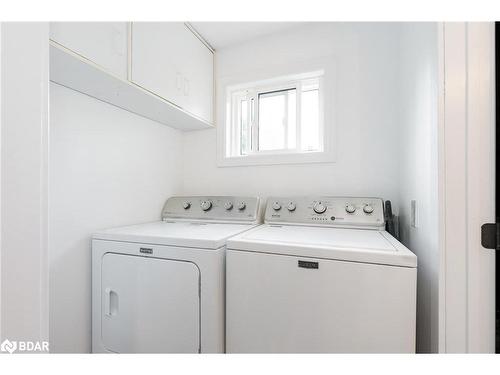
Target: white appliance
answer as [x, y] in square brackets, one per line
[159, 287]
[321, 275]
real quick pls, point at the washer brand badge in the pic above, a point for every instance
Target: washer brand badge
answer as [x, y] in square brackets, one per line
[307, 264]
[8, 346]
[146, 250]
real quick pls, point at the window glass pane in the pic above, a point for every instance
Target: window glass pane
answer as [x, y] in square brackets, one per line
[310, 120]
[277, 119]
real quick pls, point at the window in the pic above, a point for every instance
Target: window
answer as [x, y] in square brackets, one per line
[279, 120]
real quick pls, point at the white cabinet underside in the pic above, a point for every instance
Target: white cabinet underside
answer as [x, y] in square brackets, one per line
[75, 72]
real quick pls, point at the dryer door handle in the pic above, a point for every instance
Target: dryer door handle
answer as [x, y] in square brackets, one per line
[110, 302]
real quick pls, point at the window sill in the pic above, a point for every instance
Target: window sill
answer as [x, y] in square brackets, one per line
[296, 158]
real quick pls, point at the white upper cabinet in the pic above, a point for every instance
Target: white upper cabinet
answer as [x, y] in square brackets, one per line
[161, 71]
[103, 43]
[170, 61]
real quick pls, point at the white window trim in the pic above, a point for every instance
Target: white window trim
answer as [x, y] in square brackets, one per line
[268, 77]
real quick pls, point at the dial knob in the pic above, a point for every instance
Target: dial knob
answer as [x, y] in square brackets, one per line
[206, 205]
[276, 206]
[242, 206]
[368, 209]
[350, 209]
[186, 205]
[291, 206]
[228, 205]
[319, 207]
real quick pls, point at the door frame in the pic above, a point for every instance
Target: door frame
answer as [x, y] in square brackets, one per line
[466, 184]
[24, 154]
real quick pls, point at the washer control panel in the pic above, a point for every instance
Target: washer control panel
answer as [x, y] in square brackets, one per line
[353, 212]
[219, 208]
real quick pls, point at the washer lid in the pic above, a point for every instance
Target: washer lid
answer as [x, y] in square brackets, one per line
[176, 233]
[357, 245]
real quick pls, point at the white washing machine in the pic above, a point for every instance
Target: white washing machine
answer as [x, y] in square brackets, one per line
[321, 275]
[159, 287]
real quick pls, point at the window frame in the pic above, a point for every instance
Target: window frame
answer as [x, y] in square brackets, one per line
[253, 119]
[282, 79]
[256, 123]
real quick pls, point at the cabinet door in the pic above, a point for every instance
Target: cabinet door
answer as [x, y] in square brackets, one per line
[149, 305]
[198, 79]
[170, 61]
[104, 43]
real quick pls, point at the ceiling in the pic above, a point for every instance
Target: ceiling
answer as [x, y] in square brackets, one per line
[224, 34]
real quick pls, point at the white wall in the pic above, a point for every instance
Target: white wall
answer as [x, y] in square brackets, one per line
[365, 116]
[24, 150]
[108, 168]
[418, 168]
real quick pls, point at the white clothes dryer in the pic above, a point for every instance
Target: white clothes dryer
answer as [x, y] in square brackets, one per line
[159, 287]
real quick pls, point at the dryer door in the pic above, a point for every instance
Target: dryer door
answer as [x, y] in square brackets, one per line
[149, 305]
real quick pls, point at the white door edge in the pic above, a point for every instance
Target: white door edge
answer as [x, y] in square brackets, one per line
[466, 187]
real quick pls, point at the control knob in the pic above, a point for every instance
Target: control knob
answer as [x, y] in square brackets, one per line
[350, 209]
[242, 206]
[368, 209]
[206, 205]
[291, 206]
[186, 205]
[319, 208]
[276, 206]
[228, 205]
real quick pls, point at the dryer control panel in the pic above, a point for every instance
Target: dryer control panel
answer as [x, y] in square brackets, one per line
[351, 212]
[216, 208]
